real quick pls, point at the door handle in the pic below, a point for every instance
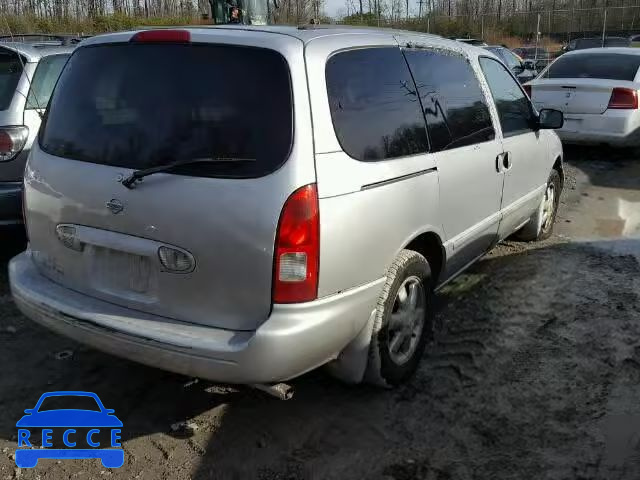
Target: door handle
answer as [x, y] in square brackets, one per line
[503, 162]
[506, 161]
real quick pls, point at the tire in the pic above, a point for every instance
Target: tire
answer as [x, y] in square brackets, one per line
[540, 225]
[397, 326]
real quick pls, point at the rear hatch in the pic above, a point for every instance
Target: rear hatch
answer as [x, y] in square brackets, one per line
[195, 243]
[583, 83]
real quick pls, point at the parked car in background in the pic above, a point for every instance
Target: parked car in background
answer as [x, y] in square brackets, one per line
[302, 256]
[597, 42]
[522, 71]
[28, 73]
[538, 57]
[597, 89]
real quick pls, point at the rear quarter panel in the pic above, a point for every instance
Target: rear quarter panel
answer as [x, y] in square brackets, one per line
[363, 231]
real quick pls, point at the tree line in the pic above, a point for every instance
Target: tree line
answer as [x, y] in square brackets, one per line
[521, 18]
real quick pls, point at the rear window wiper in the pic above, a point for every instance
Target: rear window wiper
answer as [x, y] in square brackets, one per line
[137, 176]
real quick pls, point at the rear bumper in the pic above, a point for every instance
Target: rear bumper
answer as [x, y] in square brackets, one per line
[597, 138]
[293, 340]
[10, 203]
[618, 128]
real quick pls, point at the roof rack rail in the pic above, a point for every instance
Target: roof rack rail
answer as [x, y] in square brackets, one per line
[325, 26]
[43, 39]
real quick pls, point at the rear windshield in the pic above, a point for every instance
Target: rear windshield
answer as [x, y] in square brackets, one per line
[617, 42]
[584, 43]
[10, 72]
[611, 66]
[144, 105]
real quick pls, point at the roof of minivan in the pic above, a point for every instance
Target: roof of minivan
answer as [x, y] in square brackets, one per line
[35, 52]
[304, 33]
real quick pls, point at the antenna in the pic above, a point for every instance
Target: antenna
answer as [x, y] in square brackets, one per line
[31, 90]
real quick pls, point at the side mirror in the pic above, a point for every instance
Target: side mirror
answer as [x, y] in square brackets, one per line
[29, 411]
[529, 65]
[109, 411]
[518, 69]
[550, 119]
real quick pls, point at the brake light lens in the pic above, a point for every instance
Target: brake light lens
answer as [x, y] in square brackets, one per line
[527, 88]
[623, 99]
[162, 36]
[12, 141]
[297, 248]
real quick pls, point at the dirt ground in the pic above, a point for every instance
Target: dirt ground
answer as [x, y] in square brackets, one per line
[534, 374]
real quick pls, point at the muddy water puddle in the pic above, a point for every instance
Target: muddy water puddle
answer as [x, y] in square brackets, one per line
[607, 213]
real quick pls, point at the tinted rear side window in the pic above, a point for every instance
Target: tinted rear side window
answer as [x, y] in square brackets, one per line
[143, 105]
[453, 102]
[10, 73]
[611, 66]
[44, 80]
[374, 106]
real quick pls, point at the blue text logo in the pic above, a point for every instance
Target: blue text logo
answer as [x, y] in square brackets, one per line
[91, 426]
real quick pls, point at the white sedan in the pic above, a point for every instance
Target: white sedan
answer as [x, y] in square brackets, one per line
[597, 90]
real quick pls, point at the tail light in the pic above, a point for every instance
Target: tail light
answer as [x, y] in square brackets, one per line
[297, 248]
[623, 99]
[162, 36]
[12, 140]
[527, 88]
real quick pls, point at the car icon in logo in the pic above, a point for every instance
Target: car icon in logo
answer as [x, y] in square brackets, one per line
[96, 419]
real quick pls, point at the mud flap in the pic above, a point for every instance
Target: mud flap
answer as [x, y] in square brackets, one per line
[351, 364]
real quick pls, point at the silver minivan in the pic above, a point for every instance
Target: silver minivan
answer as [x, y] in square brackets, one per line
[28, 73]
[245, 204]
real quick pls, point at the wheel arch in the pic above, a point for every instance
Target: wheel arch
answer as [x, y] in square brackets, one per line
[559, 167]
[430, 246]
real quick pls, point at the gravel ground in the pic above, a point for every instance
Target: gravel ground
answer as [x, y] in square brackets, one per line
[534, 373]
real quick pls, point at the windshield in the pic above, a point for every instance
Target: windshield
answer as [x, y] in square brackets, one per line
[611, 66]
[10, 72]
[144, 105]
[69, 402]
